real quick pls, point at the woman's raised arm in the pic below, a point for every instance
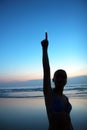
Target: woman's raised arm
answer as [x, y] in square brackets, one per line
[46, 66]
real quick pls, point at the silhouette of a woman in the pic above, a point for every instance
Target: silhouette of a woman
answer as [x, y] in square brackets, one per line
[57, 104]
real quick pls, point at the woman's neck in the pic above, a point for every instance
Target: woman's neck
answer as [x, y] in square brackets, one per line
[58, 91]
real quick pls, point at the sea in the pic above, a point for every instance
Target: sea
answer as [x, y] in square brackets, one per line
[22, 106]
[34, 89]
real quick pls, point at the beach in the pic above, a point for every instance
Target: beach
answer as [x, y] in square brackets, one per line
[30, 114]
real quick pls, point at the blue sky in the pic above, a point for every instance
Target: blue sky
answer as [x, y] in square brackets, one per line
[23, 24]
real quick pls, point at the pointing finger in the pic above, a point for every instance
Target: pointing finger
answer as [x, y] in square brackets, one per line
[46, 36]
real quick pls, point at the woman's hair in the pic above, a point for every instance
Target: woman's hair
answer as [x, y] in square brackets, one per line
[60, 78]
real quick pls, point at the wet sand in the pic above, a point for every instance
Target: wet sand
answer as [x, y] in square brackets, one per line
[30, 114]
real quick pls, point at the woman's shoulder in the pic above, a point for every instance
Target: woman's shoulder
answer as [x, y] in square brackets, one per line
[65, 97]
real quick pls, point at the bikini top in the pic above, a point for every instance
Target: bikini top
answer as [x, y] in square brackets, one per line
[58, 105]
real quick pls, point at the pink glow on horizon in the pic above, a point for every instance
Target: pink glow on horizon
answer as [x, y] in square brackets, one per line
[19, 78]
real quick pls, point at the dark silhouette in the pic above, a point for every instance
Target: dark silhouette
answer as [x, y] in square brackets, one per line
[57, 104]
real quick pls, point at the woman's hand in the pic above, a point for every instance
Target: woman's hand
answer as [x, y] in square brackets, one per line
[44, 43]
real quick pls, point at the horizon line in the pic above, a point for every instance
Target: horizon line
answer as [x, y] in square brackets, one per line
[7, 81]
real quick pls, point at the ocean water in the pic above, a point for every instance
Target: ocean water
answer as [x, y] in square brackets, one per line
[34, 90]
[22, 106]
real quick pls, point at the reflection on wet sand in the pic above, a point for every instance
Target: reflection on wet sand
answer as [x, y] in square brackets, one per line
[30, 114]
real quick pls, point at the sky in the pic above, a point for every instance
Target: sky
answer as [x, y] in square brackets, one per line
[23, 24]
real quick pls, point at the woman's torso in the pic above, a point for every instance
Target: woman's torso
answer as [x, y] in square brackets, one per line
[58, 109]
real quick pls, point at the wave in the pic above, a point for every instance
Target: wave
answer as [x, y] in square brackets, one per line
[79, 90]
